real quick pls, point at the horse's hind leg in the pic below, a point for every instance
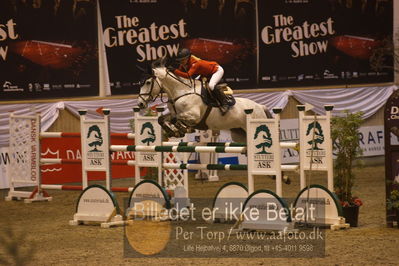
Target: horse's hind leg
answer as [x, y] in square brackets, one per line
[238, 135]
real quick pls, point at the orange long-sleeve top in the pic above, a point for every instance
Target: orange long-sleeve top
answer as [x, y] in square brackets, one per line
[196, 66]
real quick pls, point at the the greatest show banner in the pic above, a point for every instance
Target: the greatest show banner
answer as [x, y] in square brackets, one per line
[323, 42]
[48, 49]
[136, 32]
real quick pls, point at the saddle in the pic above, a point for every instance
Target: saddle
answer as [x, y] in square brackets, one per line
[212, 100]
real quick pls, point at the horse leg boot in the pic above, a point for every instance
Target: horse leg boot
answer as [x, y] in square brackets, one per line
[170, 129]
[221, 97]
[181, 127]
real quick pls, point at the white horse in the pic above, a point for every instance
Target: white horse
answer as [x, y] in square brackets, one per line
[187, 108]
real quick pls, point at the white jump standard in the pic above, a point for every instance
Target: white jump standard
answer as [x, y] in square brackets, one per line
[25, 164]
[264, 158]
[316, 154]
[25, 149]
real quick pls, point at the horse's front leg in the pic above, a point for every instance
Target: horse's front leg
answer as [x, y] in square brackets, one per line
[172, 125]
[166, 122]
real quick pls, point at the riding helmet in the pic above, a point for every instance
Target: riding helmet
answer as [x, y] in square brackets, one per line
[183, 54]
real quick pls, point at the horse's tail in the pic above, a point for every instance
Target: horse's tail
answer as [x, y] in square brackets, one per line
[267, 112]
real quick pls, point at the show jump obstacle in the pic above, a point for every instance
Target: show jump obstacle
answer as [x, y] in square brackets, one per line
[95, 136]
[25, 147]
[263, 150]
[264, 158]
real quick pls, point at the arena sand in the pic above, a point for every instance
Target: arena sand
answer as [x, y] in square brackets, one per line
[42, 235]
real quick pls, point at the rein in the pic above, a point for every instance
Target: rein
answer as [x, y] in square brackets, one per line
[149, 94]
[191, 85]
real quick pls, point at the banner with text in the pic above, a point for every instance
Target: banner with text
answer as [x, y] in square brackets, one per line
[48, 49]
[324, 42]
[137, 32]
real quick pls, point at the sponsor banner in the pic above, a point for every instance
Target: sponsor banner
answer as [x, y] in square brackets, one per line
[66, 173]
[391, 127]
[136, 33]
[333, 46]
[48, 50]
[372, 140]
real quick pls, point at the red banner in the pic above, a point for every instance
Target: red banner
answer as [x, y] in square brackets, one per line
[69, 148]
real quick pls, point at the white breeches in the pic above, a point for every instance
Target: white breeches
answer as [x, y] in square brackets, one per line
[216, 77]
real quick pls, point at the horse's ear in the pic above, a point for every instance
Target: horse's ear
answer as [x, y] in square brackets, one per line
[154, 64]
[164, 61]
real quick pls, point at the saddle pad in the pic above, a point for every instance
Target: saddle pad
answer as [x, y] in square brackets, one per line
[209, 100]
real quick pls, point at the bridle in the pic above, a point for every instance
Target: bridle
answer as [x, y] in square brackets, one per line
[150, 97]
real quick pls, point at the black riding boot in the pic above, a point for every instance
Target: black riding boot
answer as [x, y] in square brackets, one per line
[219, 95]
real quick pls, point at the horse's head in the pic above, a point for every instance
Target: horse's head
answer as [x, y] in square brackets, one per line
[149, 90]
[151, 82]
